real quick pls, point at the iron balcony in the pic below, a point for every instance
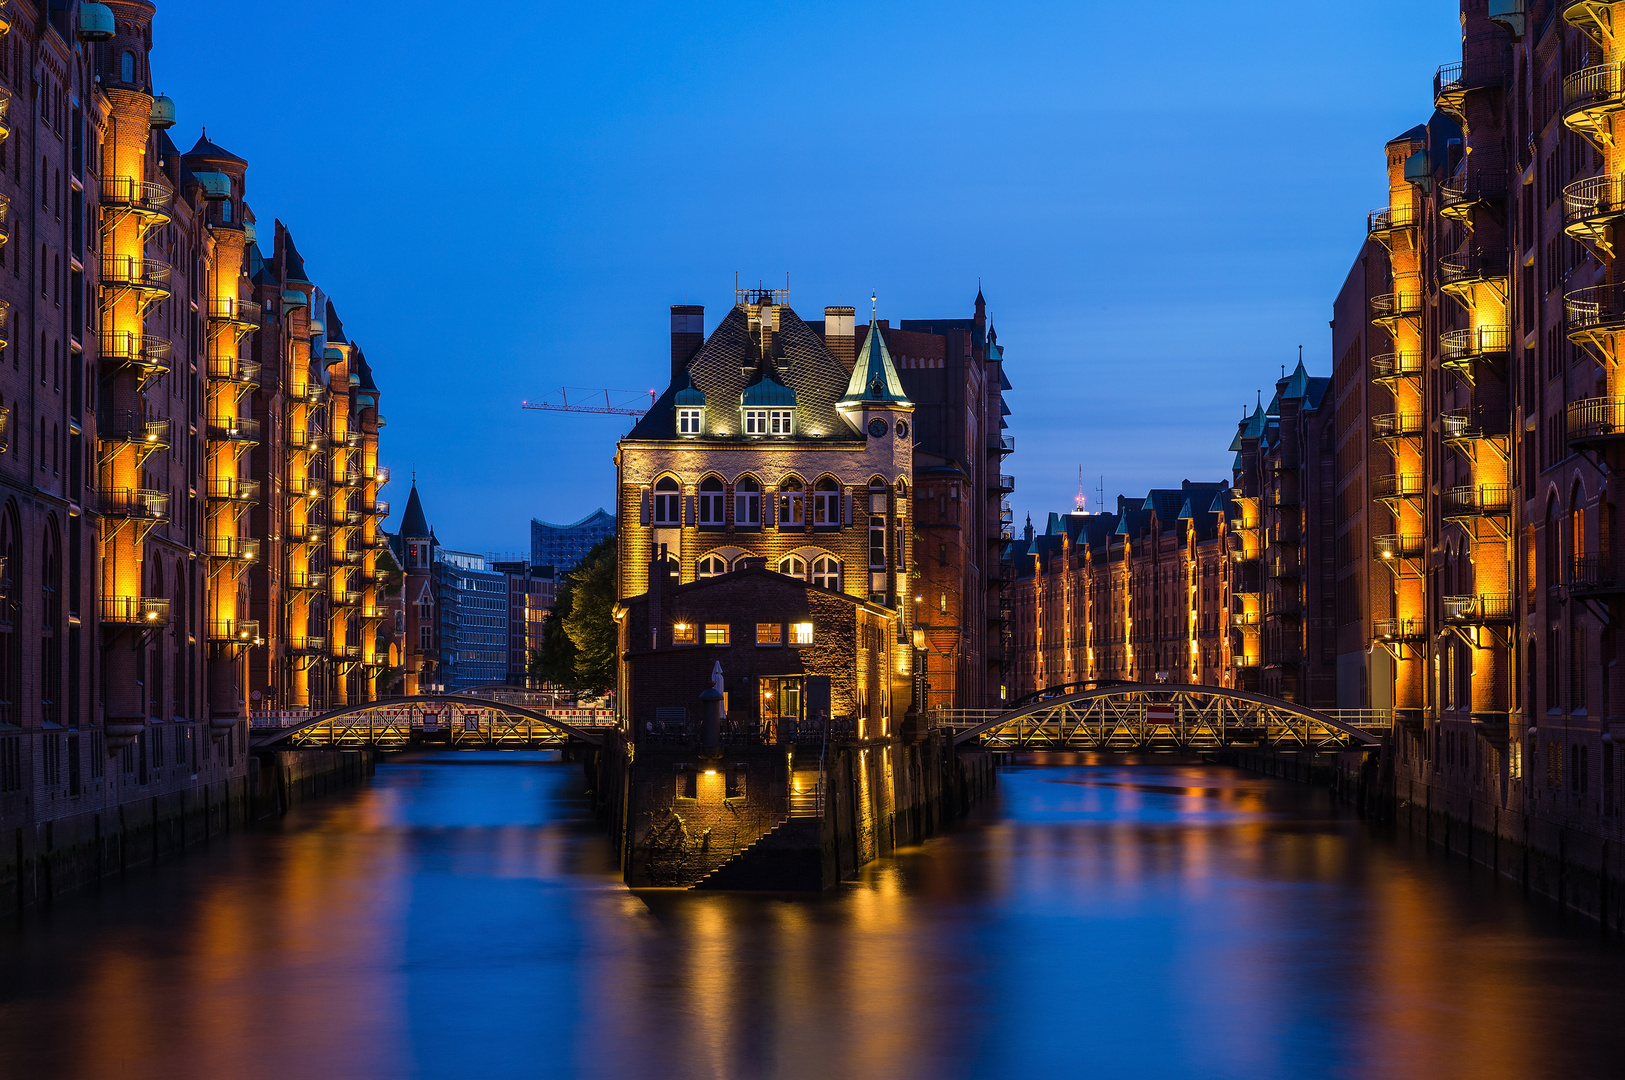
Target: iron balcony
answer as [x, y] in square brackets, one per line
[134, 429]
[227, 309]
[239, 429]
[347, 652]
[347, 598]
[137, 504]
[1465, 269]
[1398, 546]
[1453, 83]
[1590, 96]
[1460, 348]
[304, 532]
[145, 351]
[1478, 610]
[232, 548]
[235, 631]
[120, 193]
[1007, 483]
[1397, 425]
[1389, 308]
[380, 508]
[1244, 618]
[228, 489]
[1591, 205]
[1480, 181]
[379, 474]
[135, 610]
[303, 581]
[1386, 488]
[1592, 421]
[1485, 500]
[1381, 224]
[1598, 309]
[234, 369]
[136, 272]
[309, 644]
[1593, 575]
[1398, 630]
[1386, 367]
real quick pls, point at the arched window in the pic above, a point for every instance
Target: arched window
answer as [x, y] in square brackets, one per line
[826, 572]
[1577, 528]
[747, 502]
[1552, 545]
[711, 566]
[827, 504]
[793, 566]
[51, 626]
[668, 502]
[792, 504]
[126, 67]
[713, 502]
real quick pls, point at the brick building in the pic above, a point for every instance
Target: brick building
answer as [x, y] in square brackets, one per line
[139, 518]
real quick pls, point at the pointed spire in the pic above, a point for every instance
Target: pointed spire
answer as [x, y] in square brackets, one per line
[874, 377]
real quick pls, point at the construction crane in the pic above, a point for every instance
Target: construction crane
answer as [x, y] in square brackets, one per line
[616, 402]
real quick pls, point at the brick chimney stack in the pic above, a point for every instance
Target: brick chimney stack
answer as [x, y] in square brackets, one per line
[687, 335]
[838, 334]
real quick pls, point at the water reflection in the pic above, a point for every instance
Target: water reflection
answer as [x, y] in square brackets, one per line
[463, 917]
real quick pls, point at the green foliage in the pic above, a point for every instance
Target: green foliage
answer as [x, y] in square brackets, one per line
[578, 635]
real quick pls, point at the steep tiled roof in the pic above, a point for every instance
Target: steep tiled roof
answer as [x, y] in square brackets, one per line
[335, 329]
[207, 149]
[413, 521]
[730, 360]
[874, 377]
[290, 255]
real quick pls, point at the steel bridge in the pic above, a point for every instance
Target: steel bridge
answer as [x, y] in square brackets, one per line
[1162, 717]
[464, 721]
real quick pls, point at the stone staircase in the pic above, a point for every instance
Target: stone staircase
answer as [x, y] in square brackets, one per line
[786, 858]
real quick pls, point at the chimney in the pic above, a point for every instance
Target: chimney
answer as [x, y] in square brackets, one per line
[838, 334]
[687, 335]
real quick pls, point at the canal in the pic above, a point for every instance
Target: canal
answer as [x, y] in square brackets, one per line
[462, 916]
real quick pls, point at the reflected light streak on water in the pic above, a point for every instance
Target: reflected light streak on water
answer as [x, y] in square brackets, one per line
[463, 917]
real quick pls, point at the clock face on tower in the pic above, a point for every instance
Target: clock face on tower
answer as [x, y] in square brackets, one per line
[877, 428]
[902, 429]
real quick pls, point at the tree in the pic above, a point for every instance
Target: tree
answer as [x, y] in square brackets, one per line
[591, 621]
[578, 636]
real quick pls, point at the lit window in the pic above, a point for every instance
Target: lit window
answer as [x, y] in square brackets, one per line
[688, 421]
[801, 633]
[755, 421]
[716, 633]
[779, 421]
[711, 566]
[683, 634]
[793, 566]
[792, 503]
[668, 503]
[827, 503]
[769, 633]
[826, 572]
[713, 502]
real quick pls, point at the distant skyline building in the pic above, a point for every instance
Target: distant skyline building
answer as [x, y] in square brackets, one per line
[563, 546]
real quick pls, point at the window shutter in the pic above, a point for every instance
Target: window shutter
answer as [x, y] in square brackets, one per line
[770, 507]
[693, 513]
[645, 509]
[846, 509]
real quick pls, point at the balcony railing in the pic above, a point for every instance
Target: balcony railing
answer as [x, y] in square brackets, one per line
[128, 193]
[347, 556]
[1492, 500]
[1482, 179]
[235, 631]
[139, 504]
[1400, 365]
[1006, 482]
[1474, 344]
[134, 429]
[1460, 425]
[1590, 95]
[1398, 630]
[1599, 419]
[1396, 305]
[1388, 219]
[309, 643]
[311, 392]
[230, 309]
[1284, 533]
[347, 598]
[380, 508]
[234, 369]
[1398, 546]
[1593, 575]
[234, 490]
[233, 548]
[135, 610]
[1399, 486]
[136, 272]
[1590, 204]
[1244, 618]
[302, 581]
[1468, 268]
[143, 350]
[305, 532]
[1478, 610]
[1598, 308]
[380, 475]
[347, 652]
[1453, 82]
[234, 429]
[1004, 444]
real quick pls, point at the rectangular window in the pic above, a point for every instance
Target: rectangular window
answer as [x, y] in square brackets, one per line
[688, 421]
[769, 633]
[755, 421]
[668, 507]
[716, 633]
[801, 633]
[779, 421]
[683, 633]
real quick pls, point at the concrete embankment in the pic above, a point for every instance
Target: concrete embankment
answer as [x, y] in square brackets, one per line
[43, 862]
[791, 817]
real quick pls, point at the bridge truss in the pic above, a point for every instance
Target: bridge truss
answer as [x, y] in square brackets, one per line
[462, 721]
[1142, 716]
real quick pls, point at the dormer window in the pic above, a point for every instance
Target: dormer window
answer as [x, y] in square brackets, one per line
[688, 421]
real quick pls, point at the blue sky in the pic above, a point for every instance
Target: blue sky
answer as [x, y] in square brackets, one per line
[1160, 201]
